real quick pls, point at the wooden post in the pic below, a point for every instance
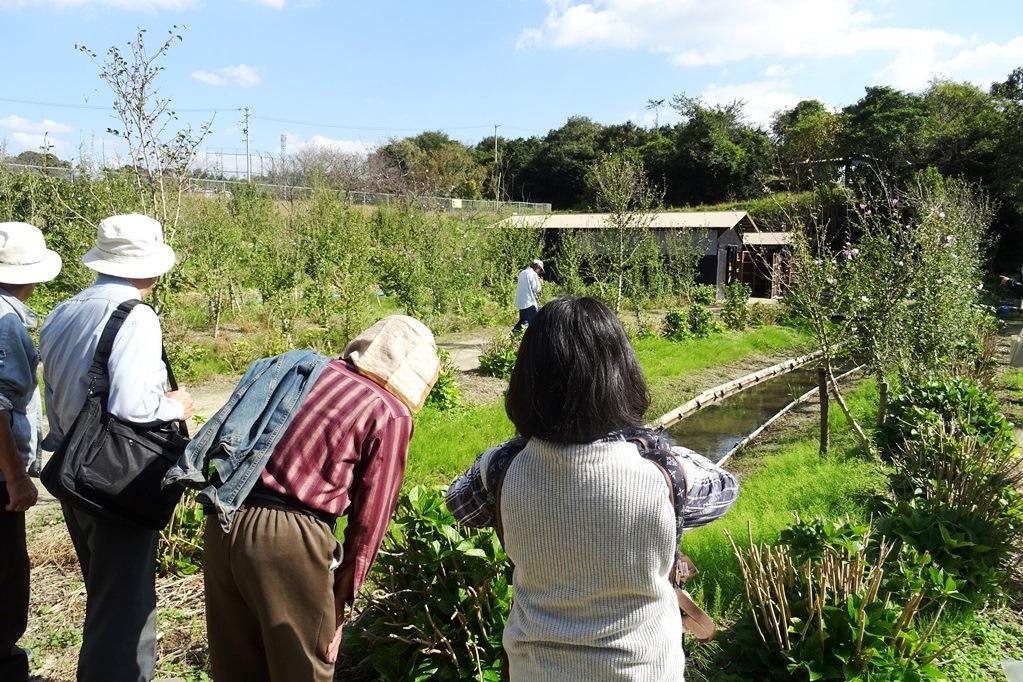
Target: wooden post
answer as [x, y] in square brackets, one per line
[822, 391]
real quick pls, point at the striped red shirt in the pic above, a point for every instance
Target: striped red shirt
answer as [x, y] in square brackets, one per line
[344, 453]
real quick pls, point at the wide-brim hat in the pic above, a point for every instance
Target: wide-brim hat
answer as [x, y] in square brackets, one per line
[130, 246]
[24, 258]
[400, 354]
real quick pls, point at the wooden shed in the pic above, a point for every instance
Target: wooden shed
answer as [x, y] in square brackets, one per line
[718, 234]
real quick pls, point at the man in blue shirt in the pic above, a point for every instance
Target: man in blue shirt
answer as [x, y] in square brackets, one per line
[24, 261]
[118, 559]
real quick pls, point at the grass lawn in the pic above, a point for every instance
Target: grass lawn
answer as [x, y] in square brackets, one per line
[446, 443]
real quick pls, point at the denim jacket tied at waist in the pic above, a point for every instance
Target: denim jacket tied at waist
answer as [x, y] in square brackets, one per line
[225, 459]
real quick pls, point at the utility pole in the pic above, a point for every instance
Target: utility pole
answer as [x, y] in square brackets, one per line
[497, 169]
[248, 159]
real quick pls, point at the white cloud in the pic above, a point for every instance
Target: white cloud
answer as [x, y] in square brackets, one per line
[762, 98]
[208, 77]
[130, 5]
[298, 144]
[281, 4]
[242, 75]
[695, 33]
[981, 64]
[24, 125]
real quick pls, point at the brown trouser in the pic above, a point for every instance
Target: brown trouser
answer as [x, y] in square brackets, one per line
[269, 596]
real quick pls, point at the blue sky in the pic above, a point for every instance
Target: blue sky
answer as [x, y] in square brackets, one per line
[370, 70]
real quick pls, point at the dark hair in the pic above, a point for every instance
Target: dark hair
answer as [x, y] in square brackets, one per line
[576, 378]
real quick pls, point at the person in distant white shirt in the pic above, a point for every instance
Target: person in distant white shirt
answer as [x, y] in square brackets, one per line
[527, 294]
[118, 559]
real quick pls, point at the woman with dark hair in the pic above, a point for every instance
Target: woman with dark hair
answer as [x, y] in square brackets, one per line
[583, 502]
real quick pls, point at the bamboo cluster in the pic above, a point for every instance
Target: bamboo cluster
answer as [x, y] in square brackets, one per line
[788, 599]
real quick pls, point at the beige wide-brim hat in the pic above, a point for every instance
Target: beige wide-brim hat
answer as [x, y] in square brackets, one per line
[130, 246]
[400, 354]
[24, 258]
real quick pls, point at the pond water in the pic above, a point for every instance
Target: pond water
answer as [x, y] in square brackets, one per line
[716, 429]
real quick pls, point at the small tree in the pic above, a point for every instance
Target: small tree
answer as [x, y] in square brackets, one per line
[160, 156]
[820, 286]
[621, 189]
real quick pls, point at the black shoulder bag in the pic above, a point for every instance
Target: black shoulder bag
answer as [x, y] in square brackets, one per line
[110, 467]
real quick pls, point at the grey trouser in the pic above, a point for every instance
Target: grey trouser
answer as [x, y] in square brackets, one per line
[118, 563]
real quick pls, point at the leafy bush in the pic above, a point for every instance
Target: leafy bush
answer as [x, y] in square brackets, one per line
[499, 356]
[444, 619]
[821, 607]
[676, 325]
[959, 501]
[957, 403]
[702, 322]
[705, 294]
[445, 394]
[735, 312]
[765, 314]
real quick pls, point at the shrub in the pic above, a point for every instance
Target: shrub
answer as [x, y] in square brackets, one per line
[180, 547]
[676, 325]
[735, 312]
[959, 501]
[765, 314]
[705, 294]
[956, 403]
[702, 322]
[499, 356]
[445, 394]
[443, 620]
[820, 608]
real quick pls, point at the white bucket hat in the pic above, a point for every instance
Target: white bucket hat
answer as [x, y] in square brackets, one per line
[130, 246]
[24, 258]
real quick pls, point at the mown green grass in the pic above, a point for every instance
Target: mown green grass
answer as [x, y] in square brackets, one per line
[662, 359]
[446, 443]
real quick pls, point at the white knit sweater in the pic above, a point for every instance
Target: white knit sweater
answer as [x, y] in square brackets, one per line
[591, 531]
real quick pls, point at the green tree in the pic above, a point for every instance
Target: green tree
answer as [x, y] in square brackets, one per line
[620, 188]
[718, 155]
[885, 127]
[962, 130]
[807, 140]
[560, 165]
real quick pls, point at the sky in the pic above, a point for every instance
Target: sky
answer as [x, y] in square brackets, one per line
[349, 75]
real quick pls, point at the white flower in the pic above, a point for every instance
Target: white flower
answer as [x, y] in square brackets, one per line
[864, 299]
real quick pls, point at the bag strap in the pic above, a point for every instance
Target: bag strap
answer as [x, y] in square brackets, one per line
[99, 372]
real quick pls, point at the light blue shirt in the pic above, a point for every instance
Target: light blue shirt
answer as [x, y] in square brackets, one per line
[19, 385]
[138, 377]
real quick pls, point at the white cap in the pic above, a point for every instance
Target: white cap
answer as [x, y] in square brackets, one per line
[130, 246]
[24, 258]
[538, 263]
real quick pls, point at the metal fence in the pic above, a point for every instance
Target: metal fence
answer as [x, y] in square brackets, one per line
[211, 186]
[216, 186]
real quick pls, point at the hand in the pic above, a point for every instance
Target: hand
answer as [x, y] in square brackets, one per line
[334, 645]
[183, 397]
[23, 494]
